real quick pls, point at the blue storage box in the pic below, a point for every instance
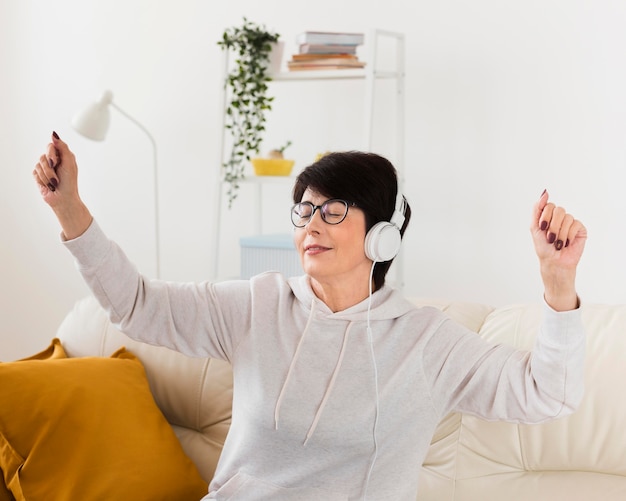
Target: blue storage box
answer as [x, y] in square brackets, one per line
[261, 253]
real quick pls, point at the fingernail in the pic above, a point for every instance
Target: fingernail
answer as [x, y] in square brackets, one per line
[559, 244]
[56, 136]
[51, 163]
[54, 182]
[50, 187]
[551, 238]
[566, 242]
[542, 193]
[544, 225]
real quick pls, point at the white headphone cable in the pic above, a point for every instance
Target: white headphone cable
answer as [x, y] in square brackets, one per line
[371, 343]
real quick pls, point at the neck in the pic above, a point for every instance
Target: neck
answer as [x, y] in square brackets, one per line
[339, 296]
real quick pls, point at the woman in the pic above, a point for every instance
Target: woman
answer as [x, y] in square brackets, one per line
[339, 382]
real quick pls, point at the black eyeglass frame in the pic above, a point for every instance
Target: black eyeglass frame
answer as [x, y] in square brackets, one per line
[322, 211]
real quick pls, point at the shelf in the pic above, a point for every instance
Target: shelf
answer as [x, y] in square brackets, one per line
[331, 75]
[369, 75]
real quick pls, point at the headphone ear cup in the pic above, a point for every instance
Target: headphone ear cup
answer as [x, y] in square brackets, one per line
[382, 242]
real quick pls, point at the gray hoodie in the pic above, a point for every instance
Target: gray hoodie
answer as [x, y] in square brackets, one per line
[324, 409]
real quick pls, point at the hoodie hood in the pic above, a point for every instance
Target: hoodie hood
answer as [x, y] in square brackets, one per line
[387, 303]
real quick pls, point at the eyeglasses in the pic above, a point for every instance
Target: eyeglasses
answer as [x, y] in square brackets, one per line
[333, 211]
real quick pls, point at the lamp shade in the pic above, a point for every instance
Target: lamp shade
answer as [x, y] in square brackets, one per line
[93, 121]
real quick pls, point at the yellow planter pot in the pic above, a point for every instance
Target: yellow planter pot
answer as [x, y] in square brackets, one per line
[272, 166]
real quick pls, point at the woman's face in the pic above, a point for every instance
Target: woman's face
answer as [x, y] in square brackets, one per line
[332, 253]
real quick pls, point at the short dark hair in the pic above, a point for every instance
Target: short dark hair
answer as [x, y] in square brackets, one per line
[366, 179]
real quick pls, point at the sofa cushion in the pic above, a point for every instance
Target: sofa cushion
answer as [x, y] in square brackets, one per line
[88, 428]
[194, 394]
[55, 350]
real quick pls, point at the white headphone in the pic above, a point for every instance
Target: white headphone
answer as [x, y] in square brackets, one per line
[382, 242]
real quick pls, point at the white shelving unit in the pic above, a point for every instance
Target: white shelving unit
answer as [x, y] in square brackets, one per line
[370, 75]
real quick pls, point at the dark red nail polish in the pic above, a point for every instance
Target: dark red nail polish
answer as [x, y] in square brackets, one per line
[551, 238]
[54, 182]
[542, 193]
[566, 242]
[544, 225]
[51, 163]
[56, 136]
[51, 188]
[559, 244]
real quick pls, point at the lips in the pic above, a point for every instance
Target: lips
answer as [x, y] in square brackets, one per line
[315, 249]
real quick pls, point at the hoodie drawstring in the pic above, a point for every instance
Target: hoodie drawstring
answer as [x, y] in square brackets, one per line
[331, 384]
[291, 367]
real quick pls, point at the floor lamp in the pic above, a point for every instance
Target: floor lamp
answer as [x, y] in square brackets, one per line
[93, 123]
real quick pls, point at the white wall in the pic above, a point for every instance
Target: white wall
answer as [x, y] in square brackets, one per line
[504, 99]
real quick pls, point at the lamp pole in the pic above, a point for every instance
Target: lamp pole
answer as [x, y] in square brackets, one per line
[156, 187]
[93, 122]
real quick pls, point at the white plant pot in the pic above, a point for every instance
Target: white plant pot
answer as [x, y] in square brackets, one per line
[275, 64]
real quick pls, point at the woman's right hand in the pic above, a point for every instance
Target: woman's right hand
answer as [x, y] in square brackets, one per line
[56, 174]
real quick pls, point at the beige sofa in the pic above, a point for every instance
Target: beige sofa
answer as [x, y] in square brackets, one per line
[582, 457]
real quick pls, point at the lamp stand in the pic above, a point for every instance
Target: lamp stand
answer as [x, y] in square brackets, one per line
[156, 187]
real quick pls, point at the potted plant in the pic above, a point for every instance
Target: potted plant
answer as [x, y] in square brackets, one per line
[279, 152]
[248, 102]
[274, 163]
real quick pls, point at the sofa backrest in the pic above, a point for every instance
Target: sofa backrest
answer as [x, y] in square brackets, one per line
[580, 457]
[573, 458]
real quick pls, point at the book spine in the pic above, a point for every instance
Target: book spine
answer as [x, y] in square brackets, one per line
[330, 60]
[295, 65]
[330, 38]
[327, 48]
[323, 68]
[314, 57]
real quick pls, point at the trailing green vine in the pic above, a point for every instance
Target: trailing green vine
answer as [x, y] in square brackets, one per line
[248, 103]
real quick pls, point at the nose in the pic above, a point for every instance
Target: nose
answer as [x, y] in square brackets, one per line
[314, 221]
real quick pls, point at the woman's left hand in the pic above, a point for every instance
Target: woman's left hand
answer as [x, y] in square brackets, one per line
[559, 241]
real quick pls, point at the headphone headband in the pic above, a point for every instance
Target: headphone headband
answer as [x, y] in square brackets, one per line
[397, 218]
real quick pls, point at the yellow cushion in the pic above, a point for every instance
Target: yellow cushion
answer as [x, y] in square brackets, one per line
[89, 429]
[5, 494]
[55, 350]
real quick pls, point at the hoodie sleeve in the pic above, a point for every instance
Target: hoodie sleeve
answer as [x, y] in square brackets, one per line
[202, 319]
[498, 382]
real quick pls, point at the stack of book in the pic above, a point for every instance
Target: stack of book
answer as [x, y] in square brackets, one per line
[322, 50]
